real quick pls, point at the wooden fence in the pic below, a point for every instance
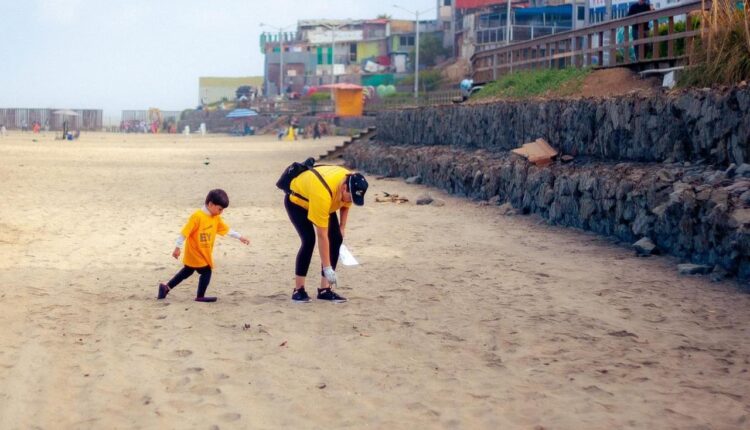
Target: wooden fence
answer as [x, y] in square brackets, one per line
[430, 98]
[597, 45]
[15, 118]
[318, 107]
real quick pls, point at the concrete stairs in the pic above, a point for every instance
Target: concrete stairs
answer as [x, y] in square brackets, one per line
[368, 134]
[282, 120]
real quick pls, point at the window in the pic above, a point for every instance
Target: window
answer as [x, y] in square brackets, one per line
[581, 13]
[353, 52]
[406, 40]
[446, 2]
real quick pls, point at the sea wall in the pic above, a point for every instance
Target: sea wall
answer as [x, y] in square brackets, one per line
[711, 126]
[688, 208]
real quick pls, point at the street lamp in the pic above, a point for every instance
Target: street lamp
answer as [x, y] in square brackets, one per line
[281, 54]
[333, 28]
[416, 42]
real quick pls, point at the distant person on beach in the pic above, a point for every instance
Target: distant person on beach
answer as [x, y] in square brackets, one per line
[3, 131]
[316, 195]
[198, 236]
[316, 130]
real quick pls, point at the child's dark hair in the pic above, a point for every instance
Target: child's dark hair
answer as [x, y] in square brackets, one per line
[218, 197]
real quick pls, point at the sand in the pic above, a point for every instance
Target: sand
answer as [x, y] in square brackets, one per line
[458, 318]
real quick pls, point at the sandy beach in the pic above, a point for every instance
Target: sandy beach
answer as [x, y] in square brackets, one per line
[459, 317]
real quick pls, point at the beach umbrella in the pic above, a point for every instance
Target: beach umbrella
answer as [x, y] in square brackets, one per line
[242, 113]
[65, 112]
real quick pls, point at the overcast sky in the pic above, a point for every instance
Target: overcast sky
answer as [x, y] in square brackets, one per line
[136, 54]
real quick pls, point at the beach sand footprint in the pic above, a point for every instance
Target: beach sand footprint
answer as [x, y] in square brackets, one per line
[183, 352]
[230, 417]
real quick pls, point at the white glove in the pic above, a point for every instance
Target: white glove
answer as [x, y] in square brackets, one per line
[330, 274]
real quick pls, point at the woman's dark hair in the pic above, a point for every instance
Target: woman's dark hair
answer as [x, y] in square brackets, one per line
[218, 197]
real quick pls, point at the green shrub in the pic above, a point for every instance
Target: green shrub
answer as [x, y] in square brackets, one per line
[316, 97]
[429, 80]
[679, 45]
[399, 95]
[529, 83]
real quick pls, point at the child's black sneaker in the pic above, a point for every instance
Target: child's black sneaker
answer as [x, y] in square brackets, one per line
[300, 295]
[330, 295]
[206, 299]
[163, 291]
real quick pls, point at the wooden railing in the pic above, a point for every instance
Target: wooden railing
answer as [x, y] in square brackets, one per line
[597, 45]
[430, 98]
[294, 107]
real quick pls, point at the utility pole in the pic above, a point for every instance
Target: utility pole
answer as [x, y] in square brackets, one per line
[416, 59]
[416, 48]
[281, 64]
[281, 54]
[507, 24]
[333, 28]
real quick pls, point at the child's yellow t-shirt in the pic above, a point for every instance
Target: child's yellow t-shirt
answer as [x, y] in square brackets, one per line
[200, 233]
[320, 204]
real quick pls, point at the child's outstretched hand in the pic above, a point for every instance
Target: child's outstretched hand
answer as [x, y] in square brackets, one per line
[176, 253]
[244, 240]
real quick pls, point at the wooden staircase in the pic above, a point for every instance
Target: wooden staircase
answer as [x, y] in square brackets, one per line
[282, 120]
[368, 134]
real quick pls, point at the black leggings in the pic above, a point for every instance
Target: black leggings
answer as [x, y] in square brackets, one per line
[186, 272]
[306, 231]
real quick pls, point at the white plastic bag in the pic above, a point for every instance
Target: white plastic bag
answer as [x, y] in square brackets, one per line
[346, 257]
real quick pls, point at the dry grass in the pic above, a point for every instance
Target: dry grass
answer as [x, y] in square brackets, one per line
[722, 55]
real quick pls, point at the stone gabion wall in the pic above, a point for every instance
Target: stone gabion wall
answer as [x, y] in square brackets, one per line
[697, 125]
[696, 213]
[357, 123]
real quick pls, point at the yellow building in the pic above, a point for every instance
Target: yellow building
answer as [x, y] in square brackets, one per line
[215, 89]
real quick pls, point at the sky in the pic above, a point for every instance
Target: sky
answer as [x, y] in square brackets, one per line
[137, 54]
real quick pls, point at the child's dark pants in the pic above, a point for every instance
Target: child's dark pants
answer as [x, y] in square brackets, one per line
[186, 272]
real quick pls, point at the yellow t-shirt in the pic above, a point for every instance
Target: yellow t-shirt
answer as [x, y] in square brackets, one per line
[321, 205]
[200, 233]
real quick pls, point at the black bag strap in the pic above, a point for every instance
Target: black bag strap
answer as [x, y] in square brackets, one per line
[325, 184]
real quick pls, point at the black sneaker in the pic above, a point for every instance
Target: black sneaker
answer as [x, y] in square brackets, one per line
[330, 295]
[300, 295]
[163, 291]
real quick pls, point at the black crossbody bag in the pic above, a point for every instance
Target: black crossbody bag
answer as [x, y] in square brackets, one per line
[295, 169]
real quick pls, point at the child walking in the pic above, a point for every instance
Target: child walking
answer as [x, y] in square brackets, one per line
[198, 237]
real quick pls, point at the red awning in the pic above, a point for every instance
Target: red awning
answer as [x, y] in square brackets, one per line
[475, 4]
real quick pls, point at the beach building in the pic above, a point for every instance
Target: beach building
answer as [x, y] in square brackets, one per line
[447, 21]
[486, 24]
[212, 89]
[319, 52]
[18, 118]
